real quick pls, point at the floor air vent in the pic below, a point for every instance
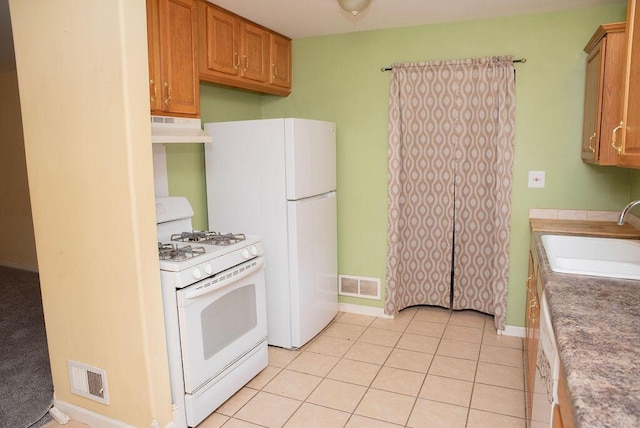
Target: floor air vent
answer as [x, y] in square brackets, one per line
[359, 286]
[87, 381]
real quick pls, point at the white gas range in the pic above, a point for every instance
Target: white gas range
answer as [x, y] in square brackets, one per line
[214, 301]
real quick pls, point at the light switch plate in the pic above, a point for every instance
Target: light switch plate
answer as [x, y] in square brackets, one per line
[536, 179]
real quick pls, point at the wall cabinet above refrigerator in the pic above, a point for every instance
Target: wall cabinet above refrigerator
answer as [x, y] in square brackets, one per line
[236, 52]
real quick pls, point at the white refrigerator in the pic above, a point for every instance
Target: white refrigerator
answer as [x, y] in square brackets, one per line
[277, 178]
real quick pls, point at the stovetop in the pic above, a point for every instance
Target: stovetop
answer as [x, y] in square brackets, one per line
[175, 252]
[182, 255]
[207, 237]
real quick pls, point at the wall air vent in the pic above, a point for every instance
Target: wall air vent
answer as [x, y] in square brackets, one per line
[87, 381]
[359, 286]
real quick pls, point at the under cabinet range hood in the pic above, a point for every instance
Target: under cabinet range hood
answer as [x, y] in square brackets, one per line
[167, 129]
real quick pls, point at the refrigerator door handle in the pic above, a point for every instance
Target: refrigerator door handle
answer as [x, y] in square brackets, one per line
[331, 194]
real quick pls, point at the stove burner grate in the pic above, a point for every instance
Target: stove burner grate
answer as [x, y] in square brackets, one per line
[207, 237]
[174, 252]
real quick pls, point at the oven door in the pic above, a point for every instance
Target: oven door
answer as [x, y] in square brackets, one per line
[221, 318]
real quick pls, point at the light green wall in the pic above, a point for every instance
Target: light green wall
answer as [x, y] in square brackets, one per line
[185, 162]
[634, 192]
[338, 78]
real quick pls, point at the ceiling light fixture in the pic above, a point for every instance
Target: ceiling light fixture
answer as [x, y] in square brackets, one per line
[354, 6]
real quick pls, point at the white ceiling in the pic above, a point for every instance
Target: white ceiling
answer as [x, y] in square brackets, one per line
[306, 18]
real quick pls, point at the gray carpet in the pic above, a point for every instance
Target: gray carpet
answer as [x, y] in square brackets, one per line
[26, 389]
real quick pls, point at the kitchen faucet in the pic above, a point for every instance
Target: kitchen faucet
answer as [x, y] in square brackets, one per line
[626, 209]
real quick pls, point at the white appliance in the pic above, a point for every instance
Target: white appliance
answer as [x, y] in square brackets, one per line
[174, 130]
[277, 178]
[169, 129]
[545, 387]
[214, 300]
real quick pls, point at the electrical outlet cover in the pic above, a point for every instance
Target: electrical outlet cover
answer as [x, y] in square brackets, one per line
[536, 179]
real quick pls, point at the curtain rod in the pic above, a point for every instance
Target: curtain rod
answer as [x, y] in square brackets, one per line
[522, 60]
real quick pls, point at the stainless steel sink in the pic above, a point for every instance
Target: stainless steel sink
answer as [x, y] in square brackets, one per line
[584, 255]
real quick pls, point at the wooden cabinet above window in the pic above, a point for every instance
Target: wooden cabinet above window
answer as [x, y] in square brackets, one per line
[236, 52]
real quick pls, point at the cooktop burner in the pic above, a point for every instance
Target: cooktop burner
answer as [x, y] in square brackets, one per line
[207, 237]
[174, 252]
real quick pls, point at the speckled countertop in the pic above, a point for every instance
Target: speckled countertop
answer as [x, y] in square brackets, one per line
[596, 322]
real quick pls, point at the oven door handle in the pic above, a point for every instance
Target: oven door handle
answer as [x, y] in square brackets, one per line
[259, 263]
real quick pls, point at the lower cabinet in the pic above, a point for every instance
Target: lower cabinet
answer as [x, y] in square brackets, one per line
[562, 414]
[532, 328]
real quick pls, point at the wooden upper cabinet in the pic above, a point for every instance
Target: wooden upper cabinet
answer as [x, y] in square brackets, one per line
[173, 72]
[219, 33]
[236, 52]
[153, 45]
[280, 49]
[628, 137]
[255, 52]
[603, 93]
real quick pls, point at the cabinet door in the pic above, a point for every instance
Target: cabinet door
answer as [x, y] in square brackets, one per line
[180, 86]
[236, 52]
[564, 408]
[592, 103]
[280, 51]
[153, 38]
[255, 52]
[221, 44]
[629, 134]
[603, 93]
[534, 319]
[530, 343]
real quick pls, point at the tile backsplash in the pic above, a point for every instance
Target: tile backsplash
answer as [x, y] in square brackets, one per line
[551, 214]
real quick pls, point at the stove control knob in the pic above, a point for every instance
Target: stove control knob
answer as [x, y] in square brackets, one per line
[245, 254]
[254, 250]
[208, 269]
[197, 274]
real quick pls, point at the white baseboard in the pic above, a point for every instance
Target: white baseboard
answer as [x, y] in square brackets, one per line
[94, 420]
[363, 310]
[512, 330]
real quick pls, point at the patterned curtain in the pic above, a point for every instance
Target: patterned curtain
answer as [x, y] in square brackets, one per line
[451, 130]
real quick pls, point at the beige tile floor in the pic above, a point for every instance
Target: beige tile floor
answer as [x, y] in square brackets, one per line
[429, 367]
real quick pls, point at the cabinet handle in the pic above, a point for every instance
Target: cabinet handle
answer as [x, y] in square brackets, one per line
[534, 303]
[246, 63]
[614, 138]
[591, 138]
[166, 85]
[237, 60]
[155, 92]
[275, 71]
